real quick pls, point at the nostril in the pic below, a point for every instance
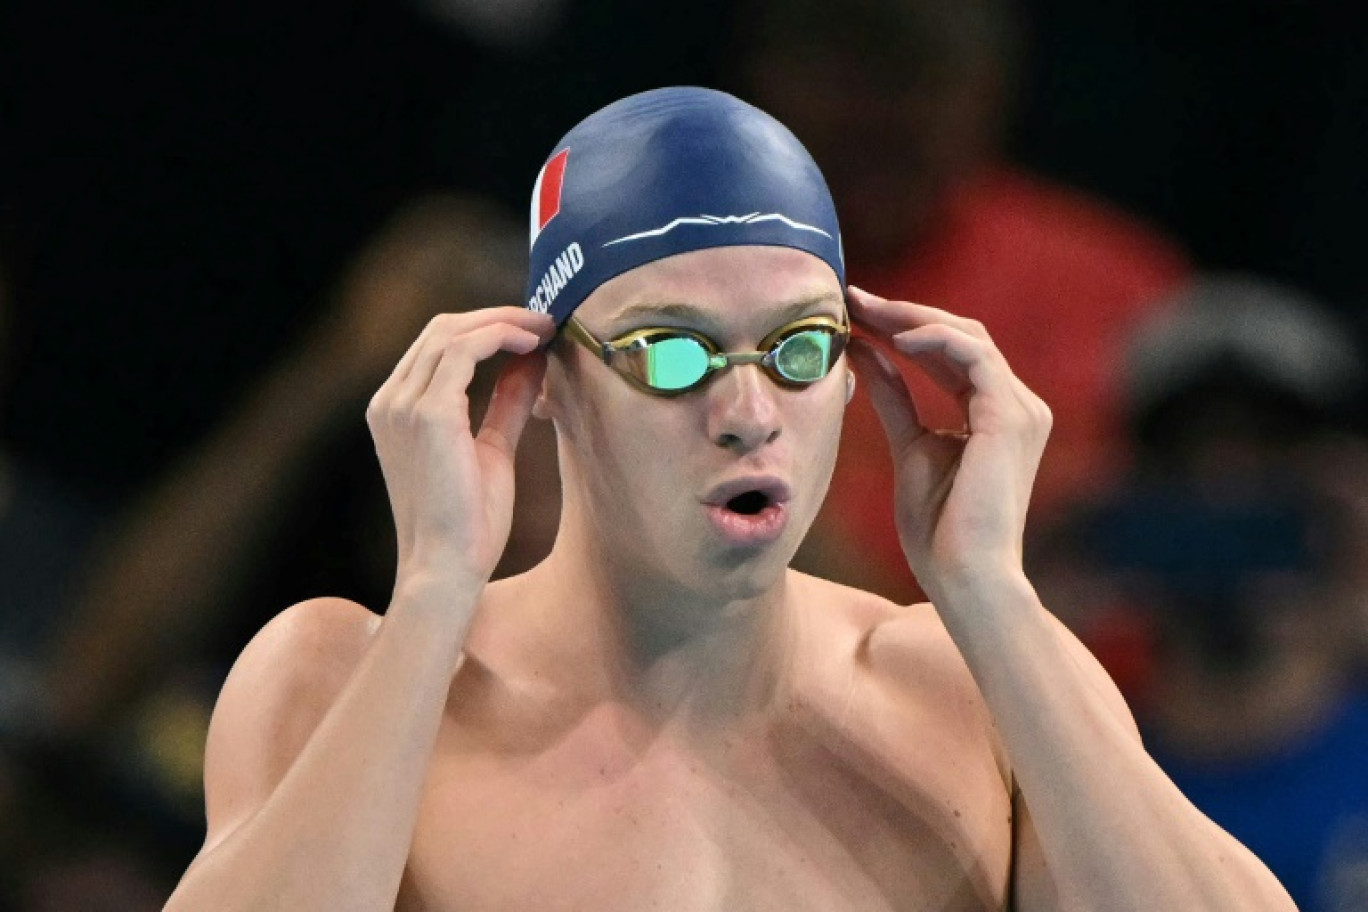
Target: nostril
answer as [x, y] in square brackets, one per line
[747, 441]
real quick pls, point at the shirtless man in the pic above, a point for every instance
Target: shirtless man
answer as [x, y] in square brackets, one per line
[662, 715]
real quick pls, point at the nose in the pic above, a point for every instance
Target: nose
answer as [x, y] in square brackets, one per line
[743, 411]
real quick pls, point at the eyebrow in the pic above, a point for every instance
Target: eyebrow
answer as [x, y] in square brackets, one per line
[697, 316]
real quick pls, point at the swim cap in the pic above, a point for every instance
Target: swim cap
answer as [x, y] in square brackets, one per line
[665, 172]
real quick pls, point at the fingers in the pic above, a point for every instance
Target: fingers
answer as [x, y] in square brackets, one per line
[958, 362]
[947, 347]
[464, 339]
[451, 324]
[887, 317]
[892, 402]
[511, 404]
[414, 371]
[994, 399]
[958, 355]
[453, 364]
[955, 351]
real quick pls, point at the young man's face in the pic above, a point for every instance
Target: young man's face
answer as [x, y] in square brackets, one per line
[657, 476]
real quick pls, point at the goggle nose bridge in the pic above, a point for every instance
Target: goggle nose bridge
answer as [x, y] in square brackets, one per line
[722, 359]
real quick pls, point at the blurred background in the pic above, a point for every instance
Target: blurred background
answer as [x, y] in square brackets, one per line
[220, 227]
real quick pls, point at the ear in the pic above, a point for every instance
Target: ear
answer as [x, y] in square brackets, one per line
[541, 408]
[850, 385]
[544, 405]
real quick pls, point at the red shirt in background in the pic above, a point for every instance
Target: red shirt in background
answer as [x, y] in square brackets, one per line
[1059, 279]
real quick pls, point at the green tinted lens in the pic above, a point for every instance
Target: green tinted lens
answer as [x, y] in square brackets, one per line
[804, 356]
[675, 363]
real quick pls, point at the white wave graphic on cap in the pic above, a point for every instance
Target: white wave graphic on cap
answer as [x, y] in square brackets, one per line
[714, 220]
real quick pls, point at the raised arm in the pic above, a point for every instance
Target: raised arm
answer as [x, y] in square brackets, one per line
[321, 739]
[1102, 826]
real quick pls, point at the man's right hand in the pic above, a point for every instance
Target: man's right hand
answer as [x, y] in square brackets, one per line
[452, 490]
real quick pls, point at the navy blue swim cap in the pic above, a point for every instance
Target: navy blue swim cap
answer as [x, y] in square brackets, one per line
[665, 172]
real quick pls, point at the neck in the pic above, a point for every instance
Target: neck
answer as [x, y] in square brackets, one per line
[675, 654]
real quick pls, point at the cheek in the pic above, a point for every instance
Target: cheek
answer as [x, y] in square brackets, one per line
[817, 435]
[633, 448]
[817, 419]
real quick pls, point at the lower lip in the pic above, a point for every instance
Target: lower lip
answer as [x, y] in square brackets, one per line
[749, 529]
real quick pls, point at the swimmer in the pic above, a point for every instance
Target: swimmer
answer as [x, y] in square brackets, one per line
[662, 714]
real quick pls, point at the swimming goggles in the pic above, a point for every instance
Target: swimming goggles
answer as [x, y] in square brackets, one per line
[667, 361]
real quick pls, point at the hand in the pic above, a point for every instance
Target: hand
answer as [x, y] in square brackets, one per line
[451, 491]
[960, 497]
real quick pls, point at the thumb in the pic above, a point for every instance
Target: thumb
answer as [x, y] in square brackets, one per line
[888, 391]
[511, 403]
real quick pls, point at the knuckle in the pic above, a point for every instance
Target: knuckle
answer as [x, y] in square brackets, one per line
[1046, 413]
[969, 346]
[396, 419]
[1046, 419]
[444, 323]
[426, 413]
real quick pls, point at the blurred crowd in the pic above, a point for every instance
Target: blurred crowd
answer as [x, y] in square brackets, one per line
[1201, 514]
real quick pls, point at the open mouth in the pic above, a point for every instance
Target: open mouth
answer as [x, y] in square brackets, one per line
[751, 512]
[748, 503]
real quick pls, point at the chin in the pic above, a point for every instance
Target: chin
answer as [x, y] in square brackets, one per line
[688, 557]
[740, 574]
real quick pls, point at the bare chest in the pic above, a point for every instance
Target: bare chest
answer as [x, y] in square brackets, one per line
[781, 821]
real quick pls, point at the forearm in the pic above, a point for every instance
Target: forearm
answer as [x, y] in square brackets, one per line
[1115, 832]
[336, 831]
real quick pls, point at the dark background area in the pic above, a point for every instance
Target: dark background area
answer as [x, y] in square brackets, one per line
[183, 189]
[179, 187]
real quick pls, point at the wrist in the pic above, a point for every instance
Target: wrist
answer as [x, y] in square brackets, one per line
[982, 582]
[444, 598]
[959, 568]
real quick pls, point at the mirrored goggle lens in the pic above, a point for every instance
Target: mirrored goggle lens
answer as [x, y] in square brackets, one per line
[674, 363]
[806, 356]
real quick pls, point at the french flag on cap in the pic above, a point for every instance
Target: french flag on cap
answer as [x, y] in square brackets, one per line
[546, 194]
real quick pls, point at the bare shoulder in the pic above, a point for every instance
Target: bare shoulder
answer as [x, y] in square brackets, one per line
[906, 645]
[899, 670]
[276, 694]
[909, 648]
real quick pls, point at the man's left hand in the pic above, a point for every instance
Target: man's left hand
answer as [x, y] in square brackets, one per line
[960, 497]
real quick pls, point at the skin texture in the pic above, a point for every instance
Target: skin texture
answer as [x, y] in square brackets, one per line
[657, 718]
